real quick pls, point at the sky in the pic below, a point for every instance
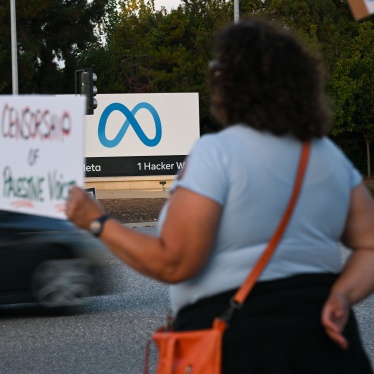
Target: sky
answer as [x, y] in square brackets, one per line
[168, 4]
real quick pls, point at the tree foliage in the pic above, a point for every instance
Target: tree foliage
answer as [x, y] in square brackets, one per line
[352, 86]
[150, 50]
[48, 32]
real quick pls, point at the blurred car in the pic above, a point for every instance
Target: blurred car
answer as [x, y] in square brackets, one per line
[48, 261]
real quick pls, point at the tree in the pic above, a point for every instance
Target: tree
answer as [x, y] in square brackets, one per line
[353, 84]
[48, 33]
[155, 51]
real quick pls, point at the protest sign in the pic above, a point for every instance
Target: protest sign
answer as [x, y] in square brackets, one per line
[361, 8]
[41, 152]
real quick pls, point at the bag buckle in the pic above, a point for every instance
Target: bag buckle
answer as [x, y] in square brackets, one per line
[234, 306]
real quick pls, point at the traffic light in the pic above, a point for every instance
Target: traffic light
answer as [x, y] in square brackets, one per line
[84, 85]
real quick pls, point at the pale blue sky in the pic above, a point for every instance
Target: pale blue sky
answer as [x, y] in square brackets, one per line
[168, 4]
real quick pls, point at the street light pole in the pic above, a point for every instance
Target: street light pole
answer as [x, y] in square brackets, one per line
[236, 11]
[13, 31]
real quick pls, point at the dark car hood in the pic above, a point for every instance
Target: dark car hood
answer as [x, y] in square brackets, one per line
[29, 222]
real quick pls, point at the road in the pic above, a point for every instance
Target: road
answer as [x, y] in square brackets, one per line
[107, 336]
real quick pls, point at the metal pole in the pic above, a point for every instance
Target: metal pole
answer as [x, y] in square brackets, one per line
[236, 11]
[13, 30]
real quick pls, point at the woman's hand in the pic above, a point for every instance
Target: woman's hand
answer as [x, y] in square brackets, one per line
[81, 208]
[180, 251]
[357, 278]
[334, 317]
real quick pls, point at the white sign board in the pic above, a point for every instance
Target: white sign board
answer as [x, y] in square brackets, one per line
[141, 134]
[41, 152]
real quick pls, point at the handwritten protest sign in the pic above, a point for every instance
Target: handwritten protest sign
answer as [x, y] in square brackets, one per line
[41, 152]
[361, 8]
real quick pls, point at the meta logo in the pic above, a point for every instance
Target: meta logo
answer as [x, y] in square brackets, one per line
[130, 121]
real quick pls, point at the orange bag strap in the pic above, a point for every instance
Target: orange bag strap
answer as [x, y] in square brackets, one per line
[242, 293]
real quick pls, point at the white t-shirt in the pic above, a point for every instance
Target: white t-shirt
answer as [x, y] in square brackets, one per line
[251, 174]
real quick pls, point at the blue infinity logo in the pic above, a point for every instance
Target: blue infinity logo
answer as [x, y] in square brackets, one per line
[130, 120]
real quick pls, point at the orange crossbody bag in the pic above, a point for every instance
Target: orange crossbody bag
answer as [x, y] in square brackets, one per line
[200, 351]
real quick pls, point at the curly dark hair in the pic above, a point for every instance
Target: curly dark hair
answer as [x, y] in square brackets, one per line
[265, 78]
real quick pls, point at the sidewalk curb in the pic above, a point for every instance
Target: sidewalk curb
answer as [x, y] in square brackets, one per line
[131, 194]
[141, 224]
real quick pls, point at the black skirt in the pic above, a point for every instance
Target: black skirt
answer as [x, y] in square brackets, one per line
[278, 330]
